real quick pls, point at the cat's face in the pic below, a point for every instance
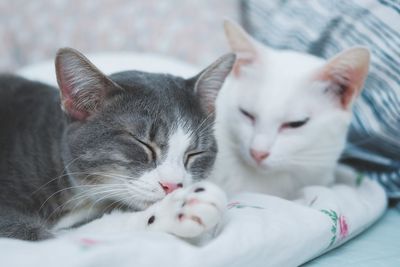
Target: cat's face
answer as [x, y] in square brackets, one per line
[285, 109]
[135, 136]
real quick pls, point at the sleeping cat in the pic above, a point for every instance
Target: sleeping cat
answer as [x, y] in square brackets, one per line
[283, 116]
[136, 141]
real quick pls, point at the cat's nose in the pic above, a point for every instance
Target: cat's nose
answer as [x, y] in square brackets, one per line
[169, 187]
[258, 156]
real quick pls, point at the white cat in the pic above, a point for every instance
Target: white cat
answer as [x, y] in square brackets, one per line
[283, 116]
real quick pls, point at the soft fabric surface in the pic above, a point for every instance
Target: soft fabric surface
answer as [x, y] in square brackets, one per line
[259, 230]
[377, 247]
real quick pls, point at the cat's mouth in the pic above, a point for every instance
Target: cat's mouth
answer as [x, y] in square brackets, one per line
[265, 167]
[248, 161]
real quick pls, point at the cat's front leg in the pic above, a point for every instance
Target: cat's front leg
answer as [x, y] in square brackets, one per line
[188, 212]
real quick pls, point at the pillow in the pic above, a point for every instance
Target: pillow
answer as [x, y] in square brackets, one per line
[324, 28]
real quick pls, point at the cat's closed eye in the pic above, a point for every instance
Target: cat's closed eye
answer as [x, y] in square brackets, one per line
[152, 153]
[295, 124]
[248, 115]
[150, 150]
[192, 155]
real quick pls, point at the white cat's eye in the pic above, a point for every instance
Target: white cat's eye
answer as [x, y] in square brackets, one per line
[192, 155]
[295, 124]
[248, 115]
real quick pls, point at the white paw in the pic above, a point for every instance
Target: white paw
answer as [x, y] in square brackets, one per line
[189, 212]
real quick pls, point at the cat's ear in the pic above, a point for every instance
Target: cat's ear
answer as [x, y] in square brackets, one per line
[346, 73]
[242, 44]
[209, 81]
[83, 87]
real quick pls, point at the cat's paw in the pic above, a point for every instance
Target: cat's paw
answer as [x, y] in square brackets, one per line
[189, 212]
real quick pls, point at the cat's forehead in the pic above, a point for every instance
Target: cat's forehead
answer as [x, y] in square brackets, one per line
[271, 94]
[157, 82]
[284, 87]
[153, 92]
[160, 101]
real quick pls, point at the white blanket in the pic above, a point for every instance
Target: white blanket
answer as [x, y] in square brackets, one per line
[258, 230]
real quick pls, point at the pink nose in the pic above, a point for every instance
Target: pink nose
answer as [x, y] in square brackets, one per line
[169, 187]
[258, 156]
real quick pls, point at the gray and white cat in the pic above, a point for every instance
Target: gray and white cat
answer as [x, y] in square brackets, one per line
[133, 140]
[283, 116]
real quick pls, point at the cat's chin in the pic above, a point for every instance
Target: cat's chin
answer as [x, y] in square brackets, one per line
[263, 169]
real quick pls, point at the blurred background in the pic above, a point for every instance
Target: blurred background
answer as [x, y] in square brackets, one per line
[32, 31]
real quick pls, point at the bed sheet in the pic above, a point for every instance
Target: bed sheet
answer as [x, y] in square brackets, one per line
[258, 230]
[379, 246]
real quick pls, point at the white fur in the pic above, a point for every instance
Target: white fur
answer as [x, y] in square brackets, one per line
[277, 87]
[172, 169]
[184, 213]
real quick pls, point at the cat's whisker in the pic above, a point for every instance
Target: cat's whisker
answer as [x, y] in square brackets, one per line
[58, 177]
[125, 179]
[204, 130]
[88, 174]
[131, 194]
[120, 203]
[128, 181]
[72, 173]
[112, 176]
[115, 175]
[131, 180]
[84, 195]
[81, 195]
[110, 194]
[129, 200]
[62, 190]
[210, 115]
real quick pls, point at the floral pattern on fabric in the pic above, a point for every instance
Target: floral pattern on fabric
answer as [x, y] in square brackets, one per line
[339, 226]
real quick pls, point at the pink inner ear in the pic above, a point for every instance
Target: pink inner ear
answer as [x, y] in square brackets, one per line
[240, 62]
[73, 112]
[68, 102]
[348, 80]
[238, 65]
[355, 79]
